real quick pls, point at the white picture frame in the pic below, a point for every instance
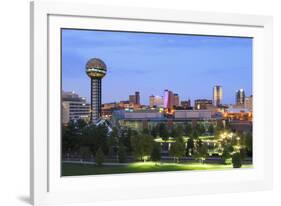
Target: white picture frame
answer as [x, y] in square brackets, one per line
[47, 186]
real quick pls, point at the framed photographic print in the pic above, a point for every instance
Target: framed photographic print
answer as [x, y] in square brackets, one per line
[140, 103]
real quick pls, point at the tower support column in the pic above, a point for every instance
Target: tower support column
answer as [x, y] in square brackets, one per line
[95, 99]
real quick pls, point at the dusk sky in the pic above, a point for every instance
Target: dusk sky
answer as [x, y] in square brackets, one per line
[150, 63]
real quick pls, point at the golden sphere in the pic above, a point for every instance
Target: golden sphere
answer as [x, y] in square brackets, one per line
[96, 68]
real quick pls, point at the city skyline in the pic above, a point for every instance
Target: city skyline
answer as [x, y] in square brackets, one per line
[162, 97]
[163, 62]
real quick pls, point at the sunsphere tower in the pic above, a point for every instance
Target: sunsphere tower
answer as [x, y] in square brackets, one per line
[96, 70]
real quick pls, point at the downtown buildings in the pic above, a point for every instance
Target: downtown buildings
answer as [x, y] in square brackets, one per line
[217, 95]
[156, 101]
[168, 105]
[168, 101]
[167, 108]
[243, 101]
[202, 104]
[135, 98]
[74, 107]
[186, 104]
[240, 97]
[249, 103]
[133, 103]
[171, 99]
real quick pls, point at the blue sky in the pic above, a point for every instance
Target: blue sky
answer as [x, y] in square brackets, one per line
[150, 63]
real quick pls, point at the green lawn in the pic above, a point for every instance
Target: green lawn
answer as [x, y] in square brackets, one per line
[71, 169]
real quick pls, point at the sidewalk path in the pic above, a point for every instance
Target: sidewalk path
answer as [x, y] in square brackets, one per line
[94, 163]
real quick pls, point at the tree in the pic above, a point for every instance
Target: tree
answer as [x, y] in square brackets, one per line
[194, 134]
[147, 144]
[145, 131]
[219, 126]
[142, 146]
[156, 152]
[249, 143]
[114, 133]
[236, 160]
[211, 129]
[101, 137]
[188, 129]
[112, 143]
[95, 137]
[199, 143]
[226, 154]
[190, 146]
[154, 132]
[178, 148]
[85, 152]
[99, 157]
[126, 136]
[80, 124]
[177, 131]
[88, 138]
[200, 129]
[201, 152]
[243, 153]
[217, 134]
[70, 138]
[173, 132]
[227, 124]
[163, 131]
[122, 154]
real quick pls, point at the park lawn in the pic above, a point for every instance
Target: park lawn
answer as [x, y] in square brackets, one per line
[73, 169]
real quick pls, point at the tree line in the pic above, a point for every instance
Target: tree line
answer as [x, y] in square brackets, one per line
[95, 141]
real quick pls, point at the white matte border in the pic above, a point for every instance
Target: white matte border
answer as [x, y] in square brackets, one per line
[48, 187]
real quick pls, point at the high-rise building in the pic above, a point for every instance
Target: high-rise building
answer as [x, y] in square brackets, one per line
[151, 101]
[176, 100]
[135, 98]
[137, 95]
[168, 99]
[202, 103]
[132, 99]
[240, 97]
[217, 95]
[186, 104]
[158, 101]
[74, 107]
[96, 70]
[249, 103]
[155, 101]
